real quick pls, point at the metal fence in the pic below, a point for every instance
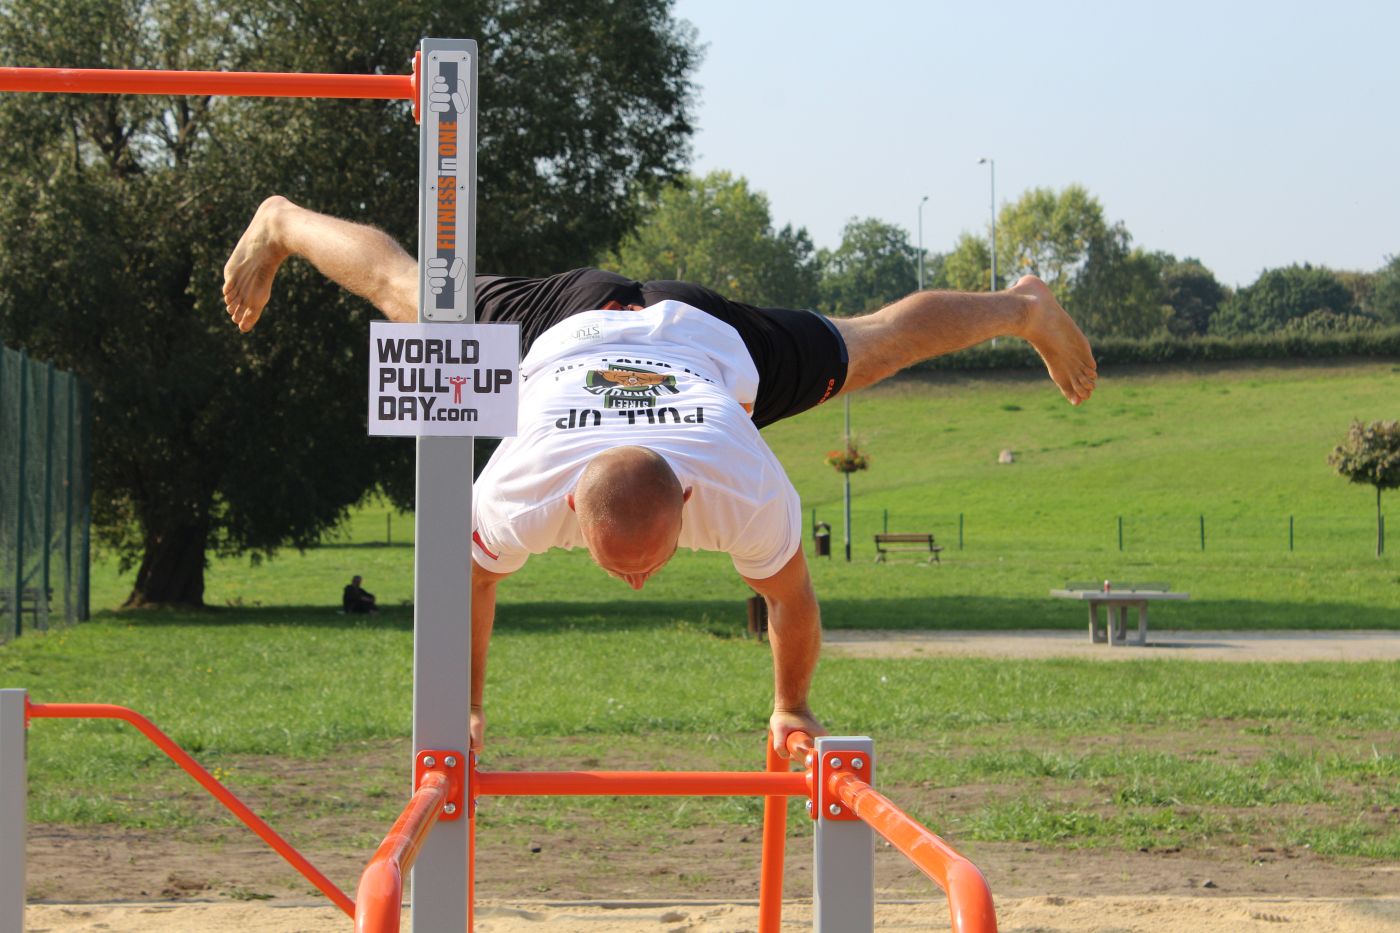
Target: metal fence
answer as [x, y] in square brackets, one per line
[45, 495]
[1354, 534]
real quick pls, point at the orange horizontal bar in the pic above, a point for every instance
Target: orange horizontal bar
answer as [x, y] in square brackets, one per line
[969, 897]
[206, 780]
[640, 783]
[227, 83]
[379, 898]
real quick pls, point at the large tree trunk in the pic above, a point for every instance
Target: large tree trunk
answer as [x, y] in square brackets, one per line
[172, 568]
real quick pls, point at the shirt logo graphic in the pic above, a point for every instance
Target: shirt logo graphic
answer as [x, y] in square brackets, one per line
[626, 387]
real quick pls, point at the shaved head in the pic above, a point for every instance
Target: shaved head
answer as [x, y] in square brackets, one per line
[628, 503]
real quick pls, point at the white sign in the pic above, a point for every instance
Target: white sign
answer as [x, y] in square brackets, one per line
[443, 380]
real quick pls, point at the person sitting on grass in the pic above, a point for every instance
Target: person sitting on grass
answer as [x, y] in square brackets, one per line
[640, 406]
[356, 600]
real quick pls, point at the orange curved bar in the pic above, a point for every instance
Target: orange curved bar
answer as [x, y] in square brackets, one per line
[640, 783]
[205, 779]
[379, 898]
[969, 897]
[227, 83]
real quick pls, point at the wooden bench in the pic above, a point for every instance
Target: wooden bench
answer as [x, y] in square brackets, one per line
[30, 601]
[1117, 598]
[921, 544]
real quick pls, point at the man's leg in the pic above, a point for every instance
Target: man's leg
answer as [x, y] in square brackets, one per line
[360, 259]
[932, 323]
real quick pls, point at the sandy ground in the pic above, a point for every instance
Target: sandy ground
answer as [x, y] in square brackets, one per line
[1186, 646]
[1051, 914]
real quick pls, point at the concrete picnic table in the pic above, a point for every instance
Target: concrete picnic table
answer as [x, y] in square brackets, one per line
[1118, 598]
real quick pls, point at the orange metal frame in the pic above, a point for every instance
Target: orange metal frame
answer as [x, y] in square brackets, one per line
[439, 781]
[205, 779]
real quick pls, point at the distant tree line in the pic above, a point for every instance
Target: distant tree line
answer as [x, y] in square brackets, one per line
[718, 231]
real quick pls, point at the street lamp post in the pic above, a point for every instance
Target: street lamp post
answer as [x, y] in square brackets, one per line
[993, 164]
[921, 243]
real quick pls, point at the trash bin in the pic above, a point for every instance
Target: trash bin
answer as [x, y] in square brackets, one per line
[758, 616]
[821, 539]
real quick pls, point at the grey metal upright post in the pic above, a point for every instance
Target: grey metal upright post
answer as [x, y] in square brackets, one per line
[843, 876]
[442, 552]
[12, 794]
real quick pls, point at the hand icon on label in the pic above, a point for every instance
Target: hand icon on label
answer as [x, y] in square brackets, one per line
[439, 274]
[442, 98]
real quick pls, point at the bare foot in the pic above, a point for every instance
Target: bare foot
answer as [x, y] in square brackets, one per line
[1058, 340]
[249, 271]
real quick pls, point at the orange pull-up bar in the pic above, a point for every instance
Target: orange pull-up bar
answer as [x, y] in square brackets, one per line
[226, 83]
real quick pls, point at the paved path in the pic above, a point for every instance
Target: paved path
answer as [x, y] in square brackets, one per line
[1192, 646]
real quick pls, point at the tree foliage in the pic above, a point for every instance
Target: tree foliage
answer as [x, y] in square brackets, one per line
[717, 232]
[1370, 453]
[1385, 293]
[968, 268]
[117, 213]
[1193, 294]
[1119, 290]
[1049, 234]
[874, 265]
[1280, 295]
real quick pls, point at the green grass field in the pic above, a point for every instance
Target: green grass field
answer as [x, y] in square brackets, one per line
[1066, 753]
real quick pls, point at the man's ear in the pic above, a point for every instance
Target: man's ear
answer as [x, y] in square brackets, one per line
[569, 498]
[685, 496]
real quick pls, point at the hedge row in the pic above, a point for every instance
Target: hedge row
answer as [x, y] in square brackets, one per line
[1118, 351]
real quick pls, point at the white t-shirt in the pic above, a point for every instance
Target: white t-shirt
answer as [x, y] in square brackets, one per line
[670, 378]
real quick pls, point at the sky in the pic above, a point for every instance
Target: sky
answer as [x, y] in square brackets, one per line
[1249, 135]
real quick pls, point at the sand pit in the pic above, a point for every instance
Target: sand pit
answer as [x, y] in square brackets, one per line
[1015, 915]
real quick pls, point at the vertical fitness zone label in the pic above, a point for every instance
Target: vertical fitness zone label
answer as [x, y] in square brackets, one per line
[443, 380]
[446, 172]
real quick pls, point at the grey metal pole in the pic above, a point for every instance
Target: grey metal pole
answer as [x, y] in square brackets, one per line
[843, 871]
[442, 554]
[921, 242]
[993, 164]
[12, 794]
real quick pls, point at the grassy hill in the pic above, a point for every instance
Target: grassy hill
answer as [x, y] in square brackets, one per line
[1242, 447]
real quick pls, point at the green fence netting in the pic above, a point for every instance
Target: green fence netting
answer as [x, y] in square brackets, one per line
[45, 495]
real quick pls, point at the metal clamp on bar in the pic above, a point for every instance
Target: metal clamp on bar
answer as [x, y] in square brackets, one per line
[451, 764]
[833, 769]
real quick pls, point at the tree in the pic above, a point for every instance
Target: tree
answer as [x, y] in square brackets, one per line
[116, 215]
[1385, 295]
[874, 265]
[1278, 296]
[1192, 293]
[1370, 453]
[1049, 234]
[968, 268]
[717, 232]
[1119, 290]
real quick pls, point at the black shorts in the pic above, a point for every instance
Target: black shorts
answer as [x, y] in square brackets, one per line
[800, 356]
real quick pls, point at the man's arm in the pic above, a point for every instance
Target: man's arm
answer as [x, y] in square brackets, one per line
[794, 633]
[483, 617]
[360, 259]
